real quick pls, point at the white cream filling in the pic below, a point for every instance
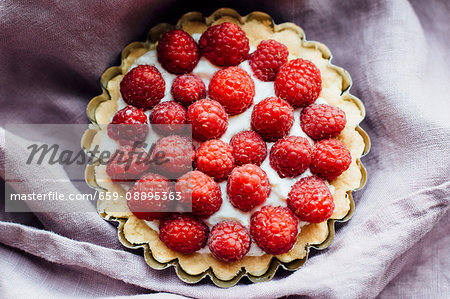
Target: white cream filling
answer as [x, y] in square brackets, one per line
[280, 187]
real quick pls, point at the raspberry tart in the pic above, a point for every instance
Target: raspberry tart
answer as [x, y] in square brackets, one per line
[275, 149]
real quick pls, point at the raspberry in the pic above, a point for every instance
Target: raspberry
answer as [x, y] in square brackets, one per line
[290, 156]
[311, 200]
[233, 88]
[208, 119]
[330, 158]
[127, 164]
[224, 44]
[178, 52]
[143, 87]
[173, 156]
[272, 118]
[183, 233]
[215, 158]
[186, 89]
[248, 148]
[298, 82]
[248, 186]
[274, 229]
[267, 59]
[142, 202]
[129, 125]
[202, 191]
[322, 121]
[168, 118]
[229, 241]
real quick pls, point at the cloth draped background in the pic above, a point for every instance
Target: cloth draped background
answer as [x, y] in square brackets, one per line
[397, 244]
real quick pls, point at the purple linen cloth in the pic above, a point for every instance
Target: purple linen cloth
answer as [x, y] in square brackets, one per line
[397, 244]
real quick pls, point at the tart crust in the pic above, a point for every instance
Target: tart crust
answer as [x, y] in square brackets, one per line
[135, 233]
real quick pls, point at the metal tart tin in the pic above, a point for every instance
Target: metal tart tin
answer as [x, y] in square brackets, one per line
[153, 36]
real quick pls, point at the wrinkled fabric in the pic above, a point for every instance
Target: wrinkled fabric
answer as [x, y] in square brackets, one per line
[52, 54]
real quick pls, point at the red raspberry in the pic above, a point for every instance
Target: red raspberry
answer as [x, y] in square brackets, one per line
[233, 88]
[178, 52]
[173, 156]
[168, 118]
[290, 156]
[272, 118]
[274, 229]
[248, 148]
[186, 89]
[208, 119]
[202, 191]
[248, 186]
[127, 164]
[143, 86]
[129, 125]
[229, 241]
[224, 44]
[215, 158]
[143, 203]
[267, 59]
[183, 233]
[330, 158]
[322, 121]
[311, 200]
[298, 82]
